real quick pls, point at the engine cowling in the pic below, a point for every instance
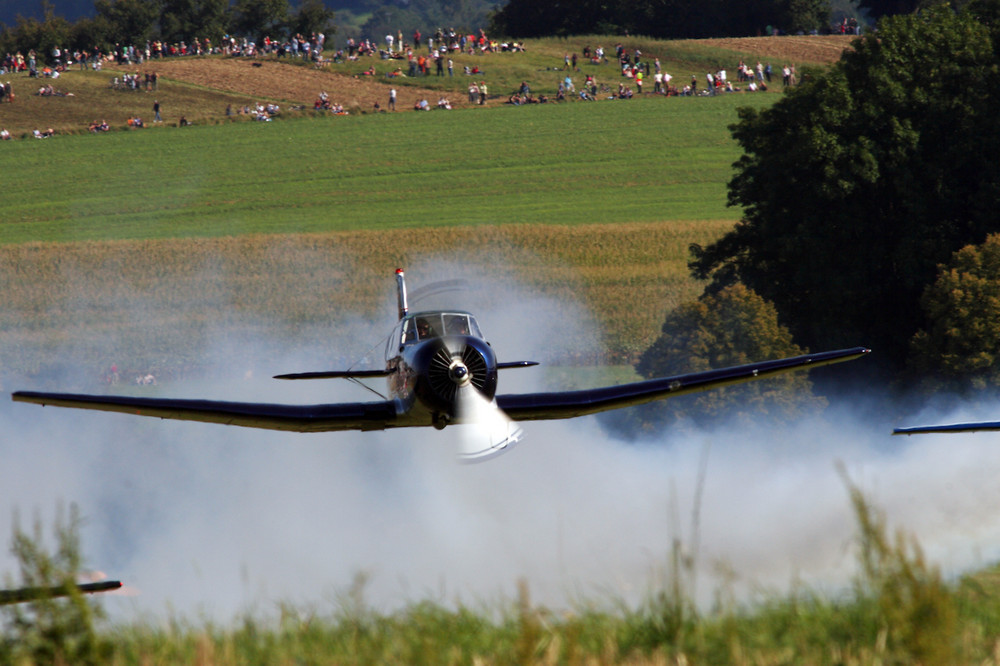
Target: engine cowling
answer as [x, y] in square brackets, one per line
[455, 363]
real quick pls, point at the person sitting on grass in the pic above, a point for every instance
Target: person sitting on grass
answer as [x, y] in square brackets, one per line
[4, 135]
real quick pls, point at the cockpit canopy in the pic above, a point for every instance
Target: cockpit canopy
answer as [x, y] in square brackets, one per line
[425, 325]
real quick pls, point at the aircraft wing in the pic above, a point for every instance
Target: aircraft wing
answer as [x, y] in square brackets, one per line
[954, 427]
[32, 593]
[295, 418]
[567, 404]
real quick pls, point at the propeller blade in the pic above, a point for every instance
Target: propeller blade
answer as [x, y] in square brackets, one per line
[485, 431]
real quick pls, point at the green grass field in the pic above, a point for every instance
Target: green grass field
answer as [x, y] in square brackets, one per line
[630, 161]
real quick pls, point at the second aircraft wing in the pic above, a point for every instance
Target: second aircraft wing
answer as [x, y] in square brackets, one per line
[567, 404]
[295, 418]
[952, 427]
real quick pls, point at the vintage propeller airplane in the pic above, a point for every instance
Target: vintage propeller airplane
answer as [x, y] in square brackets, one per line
[441, 371]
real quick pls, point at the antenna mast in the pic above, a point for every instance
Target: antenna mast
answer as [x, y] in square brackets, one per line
[401, 286]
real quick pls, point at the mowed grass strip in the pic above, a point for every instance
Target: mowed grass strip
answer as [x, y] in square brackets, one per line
[653, 159]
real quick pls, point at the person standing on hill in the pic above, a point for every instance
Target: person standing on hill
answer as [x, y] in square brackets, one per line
[392, 99]
[156, 112]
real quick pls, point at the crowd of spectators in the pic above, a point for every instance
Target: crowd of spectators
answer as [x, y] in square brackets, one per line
[418, 56]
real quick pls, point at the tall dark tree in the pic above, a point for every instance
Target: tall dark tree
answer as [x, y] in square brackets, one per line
[260, 18]
[187, 20]
[88, 34]
[130, 21]
[860, 181]
[879, 8]
[312, 16]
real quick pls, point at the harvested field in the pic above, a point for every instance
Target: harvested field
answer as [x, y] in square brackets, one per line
[284, 83]
[787, 48]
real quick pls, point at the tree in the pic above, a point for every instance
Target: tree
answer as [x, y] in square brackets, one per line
[805, 15]
[731, 327]
[88, 34]
[131, 21]
[312, 16]
[188, 20]
[857, 183]
[960, 349]
[52, 630]
[260, 18]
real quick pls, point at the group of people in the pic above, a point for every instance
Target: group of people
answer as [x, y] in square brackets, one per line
[48, 91]
[323, 103]
[135, 81]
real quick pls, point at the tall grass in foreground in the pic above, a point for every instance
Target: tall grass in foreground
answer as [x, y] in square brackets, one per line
[898, 611]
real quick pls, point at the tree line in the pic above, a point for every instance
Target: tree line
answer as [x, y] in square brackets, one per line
[136, 22]
[869, 197]
[666, 19]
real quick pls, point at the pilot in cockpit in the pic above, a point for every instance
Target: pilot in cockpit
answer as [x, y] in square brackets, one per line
[424, 329]
[458, 325]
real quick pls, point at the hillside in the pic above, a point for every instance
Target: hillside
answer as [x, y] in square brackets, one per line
[200, 89]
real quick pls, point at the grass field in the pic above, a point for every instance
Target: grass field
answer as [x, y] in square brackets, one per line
[603, 198]
[636, 161]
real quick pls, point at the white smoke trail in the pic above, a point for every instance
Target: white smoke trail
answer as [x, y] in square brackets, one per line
[208, 520]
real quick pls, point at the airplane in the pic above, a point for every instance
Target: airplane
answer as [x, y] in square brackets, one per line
[26, 594]
[953, 427]
[441, 371]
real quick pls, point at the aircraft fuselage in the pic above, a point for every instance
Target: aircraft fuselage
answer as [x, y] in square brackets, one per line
[430, 357]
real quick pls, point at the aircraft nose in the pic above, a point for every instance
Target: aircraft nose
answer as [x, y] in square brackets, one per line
[459, 373]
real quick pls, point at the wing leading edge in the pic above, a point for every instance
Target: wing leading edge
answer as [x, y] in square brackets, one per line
[388, 414]
[295, 418]
[953, 427]
[567, 404]
[26, 594]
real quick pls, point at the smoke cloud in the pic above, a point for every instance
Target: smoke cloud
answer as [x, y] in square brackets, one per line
[211, 521]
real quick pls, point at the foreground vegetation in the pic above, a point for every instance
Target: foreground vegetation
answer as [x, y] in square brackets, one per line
[899, 610]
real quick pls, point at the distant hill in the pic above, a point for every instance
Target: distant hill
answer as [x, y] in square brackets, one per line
[70, 9]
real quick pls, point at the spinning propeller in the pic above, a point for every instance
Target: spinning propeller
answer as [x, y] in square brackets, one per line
[485, 430]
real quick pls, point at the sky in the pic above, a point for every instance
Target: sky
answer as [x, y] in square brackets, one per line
[211, 521]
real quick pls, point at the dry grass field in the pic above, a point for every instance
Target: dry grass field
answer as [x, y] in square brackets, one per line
[149, 305]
